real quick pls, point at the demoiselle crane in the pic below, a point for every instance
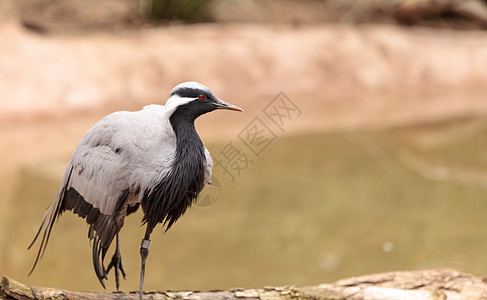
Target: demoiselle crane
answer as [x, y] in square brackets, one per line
[152, 158]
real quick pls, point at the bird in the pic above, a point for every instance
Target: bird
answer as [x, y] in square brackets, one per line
[152, 158]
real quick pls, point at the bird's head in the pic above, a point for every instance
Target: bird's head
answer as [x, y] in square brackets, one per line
[192, 99]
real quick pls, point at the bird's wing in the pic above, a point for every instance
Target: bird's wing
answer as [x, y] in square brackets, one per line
[123, 151]
[93, 187]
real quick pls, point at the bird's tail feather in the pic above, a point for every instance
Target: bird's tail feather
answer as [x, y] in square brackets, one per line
[40, 227]
[99, 250]
[53, 212]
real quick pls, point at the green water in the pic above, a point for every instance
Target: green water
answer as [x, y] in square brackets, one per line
[309, 209]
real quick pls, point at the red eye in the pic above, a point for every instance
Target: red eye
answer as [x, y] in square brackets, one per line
[202, 97]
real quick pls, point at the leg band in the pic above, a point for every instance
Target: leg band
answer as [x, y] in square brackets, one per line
[145, 244]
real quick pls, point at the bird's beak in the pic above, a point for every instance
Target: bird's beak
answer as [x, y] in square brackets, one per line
[224, 105]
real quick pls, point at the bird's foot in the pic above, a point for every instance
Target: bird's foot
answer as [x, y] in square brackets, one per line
[116, 264]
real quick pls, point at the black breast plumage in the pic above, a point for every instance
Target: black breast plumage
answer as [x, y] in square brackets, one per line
[168, 201]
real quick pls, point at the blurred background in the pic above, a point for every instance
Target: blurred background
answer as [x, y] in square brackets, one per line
[371, 123]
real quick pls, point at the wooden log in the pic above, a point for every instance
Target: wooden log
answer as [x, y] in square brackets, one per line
[420, 285]
[410, 11]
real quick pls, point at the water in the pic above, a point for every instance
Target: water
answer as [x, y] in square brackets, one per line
[310, 209]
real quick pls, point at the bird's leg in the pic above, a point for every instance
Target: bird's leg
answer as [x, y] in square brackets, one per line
[144, 252]
[116, 263]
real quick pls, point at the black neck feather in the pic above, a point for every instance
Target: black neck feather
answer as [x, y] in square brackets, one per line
[178, 191]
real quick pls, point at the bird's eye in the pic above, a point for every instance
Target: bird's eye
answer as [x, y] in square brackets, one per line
[202, 97]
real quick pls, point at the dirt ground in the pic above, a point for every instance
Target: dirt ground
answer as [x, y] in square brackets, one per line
[54, 87]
